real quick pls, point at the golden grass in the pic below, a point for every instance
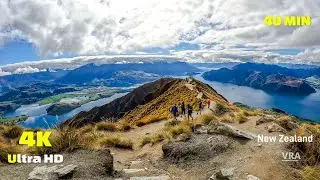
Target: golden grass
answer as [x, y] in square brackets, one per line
[241, 118]
[227, 119]
[66, 139]
[309, 152]
[12, 132]
[174, 131]
[116, 142]
[221, 109]
[145, 140]
[123, 126]
[250, 113]
[6, 149]
[207, 118]
[87, 129]
[171, 123]
[106, 126]
[310, 173]
[150, 119]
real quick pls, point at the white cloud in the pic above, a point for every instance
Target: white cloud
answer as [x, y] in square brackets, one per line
[57, 27]
[26, 69]
[4, 73]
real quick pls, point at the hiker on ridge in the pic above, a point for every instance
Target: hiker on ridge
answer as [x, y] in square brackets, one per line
[208, 102]
[189, 111]
[174, 111]
[183, 109]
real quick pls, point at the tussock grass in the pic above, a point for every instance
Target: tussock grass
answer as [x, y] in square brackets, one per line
[87, 129]
[145, 140]
[153, 139]
[250, 113]
[227, 119]
[241, 118]
[106, 126]
[158, 137]
[150, 119]
[171, 123]
[221, 109]
[124, 126]
[177, 130]
[310, 173]
[116, 142]
[309, 152]
[207, 118]
[66, 139]
[6, 149]
[12, 132]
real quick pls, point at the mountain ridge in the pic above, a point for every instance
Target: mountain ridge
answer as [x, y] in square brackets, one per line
[150, 100]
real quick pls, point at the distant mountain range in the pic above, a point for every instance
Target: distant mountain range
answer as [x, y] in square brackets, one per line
[107, 74]
[126, 74]
[267, 77]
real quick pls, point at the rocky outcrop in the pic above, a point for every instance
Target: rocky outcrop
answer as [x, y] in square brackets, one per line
[228, 130]
[52, 172]
[275, 128]
[198, 147]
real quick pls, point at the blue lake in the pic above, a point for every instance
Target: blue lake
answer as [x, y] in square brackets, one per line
[303, 106]
[307, 107]
[38, 117]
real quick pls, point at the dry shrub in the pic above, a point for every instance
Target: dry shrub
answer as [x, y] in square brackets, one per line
[158, 137]
[65, 139]
[250, 113]
[87, 129]
[310, 173]
[6, 149]
[153, 139]
[106, 126]
[171, 123]
[227, 119]
[241, 118]
[12, 132]
[150, 119]
[124, 126]
[309, 152]
[117, 142]
[145, 140]
[207, 118]
[221, 109]
[174, 131]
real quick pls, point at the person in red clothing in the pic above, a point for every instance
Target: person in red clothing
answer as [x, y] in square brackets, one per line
[208, 102]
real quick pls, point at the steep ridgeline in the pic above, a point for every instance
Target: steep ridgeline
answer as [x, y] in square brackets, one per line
[267, 77]
[152, 100]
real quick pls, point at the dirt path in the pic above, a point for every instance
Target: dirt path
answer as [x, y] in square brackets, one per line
[123, 157]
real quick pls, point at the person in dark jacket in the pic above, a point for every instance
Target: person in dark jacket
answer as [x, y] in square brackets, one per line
[183, 109]
[189, 111]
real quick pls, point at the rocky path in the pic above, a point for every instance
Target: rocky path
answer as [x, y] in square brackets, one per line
[245, 159]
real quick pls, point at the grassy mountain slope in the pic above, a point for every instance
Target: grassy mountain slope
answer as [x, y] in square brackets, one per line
[152, 100]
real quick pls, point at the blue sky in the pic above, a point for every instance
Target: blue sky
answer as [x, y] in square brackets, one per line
[204, 30]
[20, 51]
[17, 51]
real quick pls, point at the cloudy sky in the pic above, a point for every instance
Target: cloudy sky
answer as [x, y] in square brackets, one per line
[80, 31]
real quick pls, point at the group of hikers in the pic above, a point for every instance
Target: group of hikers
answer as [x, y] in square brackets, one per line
[189, 108]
